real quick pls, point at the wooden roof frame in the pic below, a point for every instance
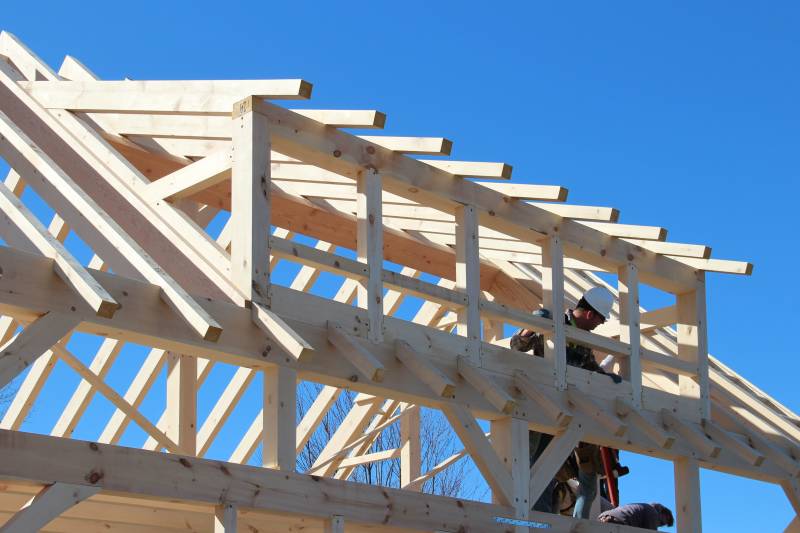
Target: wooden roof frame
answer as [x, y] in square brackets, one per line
[138, 169]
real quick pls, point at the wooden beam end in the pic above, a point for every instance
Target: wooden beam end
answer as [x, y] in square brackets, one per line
[614, 215]
[506, 171]
[107, 309]
[304, 89]
[562, 194]
[379, 120]
[447, 147]
[212, 333]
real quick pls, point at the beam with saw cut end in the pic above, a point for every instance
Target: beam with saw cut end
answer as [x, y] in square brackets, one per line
[694, 436]
[274, 327]
[473, 169]
[424, 370]
[593, 410]
[560, 413]
[488, 388]
[632, 416]
[353, 351]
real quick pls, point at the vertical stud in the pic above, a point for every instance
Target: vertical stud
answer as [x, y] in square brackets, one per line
[279, 422]
[687, 496]
[693, 344]
[629, 327]
[250, 205]
[510, 441]
[468, 279]
[225, 518]
[181, 408]
[553, 299]
[369, 241]
[410, 449]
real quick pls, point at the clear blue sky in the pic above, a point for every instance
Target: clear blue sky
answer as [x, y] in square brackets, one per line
[680, 114]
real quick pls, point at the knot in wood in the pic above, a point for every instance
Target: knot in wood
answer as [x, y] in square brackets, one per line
[337, 153]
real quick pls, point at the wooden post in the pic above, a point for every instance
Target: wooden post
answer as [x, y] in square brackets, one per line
[468, 279]
[553, 300]
[687, 496]
[492, 330]
[225, 518]
[629, 327]
[250, 205]
[693, 344]
[410, 450]
[369, 243]
[181, 410]
[510, 441]
[335, 524]
[279, 418]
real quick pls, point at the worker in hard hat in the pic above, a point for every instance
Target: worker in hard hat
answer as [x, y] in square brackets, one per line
[592, 310]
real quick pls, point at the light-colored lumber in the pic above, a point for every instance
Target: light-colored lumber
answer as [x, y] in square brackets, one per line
[142, 381]
[49, 503]
[468, 278]
[581, 212]
[346, 118]
[33, 341]
[181, 406]
[634, 417]
[225, 518]
[357, 460]
[28, 391]
[553, 300]
[369, 250]
[485, 458]
[724, 266]
[473, 169]
[353, 351]
[250, 204]
[424, 370]
[595, 411]
[525, 191]
[334, 525]
[688, 518]
[555, 410]
[223, 407]
[194, 96]
[193, 178]
[114, 397]
[410, 448]
[629, 327]
[361, 446]
[692, 435]
[698, 251]
[280, 400]
[548, 464]
[21, 153]
[511, 442]
[79, 401]
[278, 330]
[250, 441]
[412, 145]
[18, 223]
[693, 344]
[488, 387]
[731, 443]
[325, 399]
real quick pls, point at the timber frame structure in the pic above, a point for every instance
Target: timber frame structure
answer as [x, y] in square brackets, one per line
[138, 170]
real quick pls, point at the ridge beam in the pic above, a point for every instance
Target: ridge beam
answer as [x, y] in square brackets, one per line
[20, 228]
[47, 505]
[488, 388]
[695, 437]
[38, 337]
[424, 370]
[361, 358]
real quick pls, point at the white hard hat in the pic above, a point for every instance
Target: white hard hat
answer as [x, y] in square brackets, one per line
[601, 300]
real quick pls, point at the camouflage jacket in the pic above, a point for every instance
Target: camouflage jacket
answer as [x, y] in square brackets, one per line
[577, 355]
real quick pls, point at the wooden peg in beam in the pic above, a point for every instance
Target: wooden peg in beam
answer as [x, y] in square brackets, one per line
[488, 388]
[628, 413]
[275, 328]
[531, 390]
[594, 411]
[360, 357]
[730, 442]
[424, 370]
[694, 436]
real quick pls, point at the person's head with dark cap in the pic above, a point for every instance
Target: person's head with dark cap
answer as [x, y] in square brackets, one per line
[665, 515]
